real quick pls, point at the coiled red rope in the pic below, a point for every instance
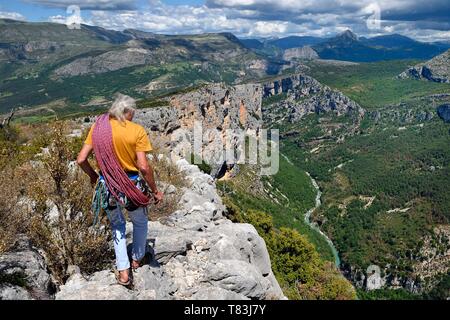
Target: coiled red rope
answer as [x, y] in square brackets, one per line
[115, 176]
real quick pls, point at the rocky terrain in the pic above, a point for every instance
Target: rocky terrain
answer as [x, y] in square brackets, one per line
[23, 273]
[152, 49]
[301, 95]
[196, 253]
[434, 257]
[436, 69]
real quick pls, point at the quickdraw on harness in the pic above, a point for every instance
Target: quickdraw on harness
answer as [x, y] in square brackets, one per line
[103, 199]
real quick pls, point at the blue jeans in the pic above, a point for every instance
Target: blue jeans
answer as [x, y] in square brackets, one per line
[139, 218]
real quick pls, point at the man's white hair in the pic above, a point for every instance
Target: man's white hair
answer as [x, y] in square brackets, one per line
[122, 105]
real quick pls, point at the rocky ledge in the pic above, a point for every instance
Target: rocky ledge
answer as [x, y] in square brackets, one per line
[197, 253]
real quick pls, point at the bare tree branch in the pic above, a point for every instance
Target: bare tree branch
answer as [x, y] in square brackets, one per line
[6, 121]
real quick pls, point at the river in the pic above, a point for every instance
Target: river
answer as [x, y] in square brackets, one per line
[314, 226]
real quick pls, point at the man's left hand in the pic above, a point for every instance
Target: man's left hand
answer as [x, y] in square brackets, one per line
[158, 196]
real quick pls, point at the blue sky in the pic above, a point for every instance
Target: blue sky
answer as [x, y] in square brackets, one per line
[423, 20]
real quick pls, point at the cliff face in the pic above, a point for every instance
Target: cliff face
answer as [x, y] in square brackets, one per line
[305, 95]
[303, 53]
[223, 112]
[430, 262]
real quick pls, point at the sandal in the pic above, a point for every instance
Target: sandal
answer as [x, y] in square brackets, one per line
[117, 274]
[137, 264]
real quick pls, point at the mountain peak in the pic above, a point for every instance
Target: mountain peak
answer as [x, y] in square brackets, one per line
[348, 35]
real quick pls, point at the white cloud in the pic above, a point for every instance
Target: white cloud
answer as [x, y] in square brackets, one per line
[169, 19]
[57, 19]
[66, 19]
[307, 6]
[364, 16]
[11, 15]
[258, 18]
[269, 27]
[162, 18]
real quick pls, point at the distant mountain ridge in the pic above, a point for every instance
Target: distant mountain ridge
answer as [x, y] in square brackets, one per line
[295, 42]
[349, 47]
[43, 62]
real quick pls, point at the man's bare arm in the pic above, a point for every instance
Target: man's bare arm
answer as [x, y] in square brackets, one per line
[82, 161]
[147, 171]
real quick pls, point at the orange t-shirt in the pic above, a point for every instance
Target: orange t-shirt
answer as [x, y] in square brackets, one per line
[128, 138]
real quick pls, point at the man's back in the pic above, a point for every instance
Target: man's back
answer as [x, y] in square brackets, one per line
[128, 138]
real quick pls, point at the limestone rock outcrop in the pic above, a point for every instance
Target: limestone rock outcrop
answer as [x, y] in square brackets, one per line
[436, 69]
[304, 95]
[23, 273]
[302, 53]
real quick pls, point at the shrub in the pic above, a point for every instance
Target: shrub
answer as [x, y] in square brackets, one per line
[61, 219]
[8, 146]
[329, 284]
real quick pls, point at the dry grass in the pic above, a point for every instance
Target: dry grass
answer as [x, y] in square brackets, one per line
[12, 211]
[12, 181]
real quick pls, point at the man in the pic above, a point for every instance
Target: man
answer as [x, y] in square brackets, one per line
[120, 147]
